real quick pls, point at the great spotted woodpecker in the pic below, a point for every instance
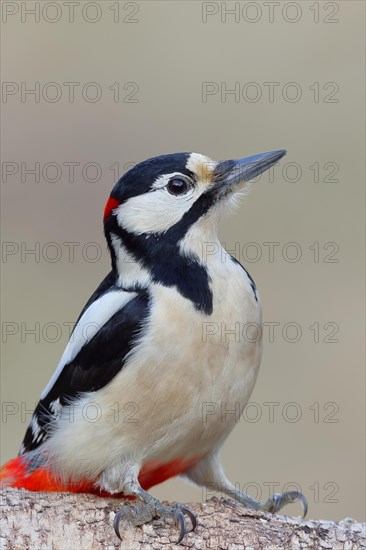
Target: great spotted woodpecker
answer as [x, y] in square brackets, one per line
[137, 353]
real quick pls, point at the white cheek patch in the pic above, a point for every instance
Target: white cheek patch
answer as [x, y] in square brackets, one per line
[156, 211]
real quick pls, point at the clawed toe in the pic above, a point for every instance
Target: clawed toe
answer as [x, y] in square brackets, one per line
[127, 513]
[191, 516]
[278, 501]
[117, 521]
[181, 510]
[140, 514]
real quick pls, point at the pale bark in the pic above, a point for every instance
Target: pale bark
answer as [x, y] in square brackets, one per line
[71, 522]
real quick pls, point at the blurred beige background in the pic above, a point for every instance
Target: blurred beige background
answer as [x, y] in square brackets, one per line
[158, 56]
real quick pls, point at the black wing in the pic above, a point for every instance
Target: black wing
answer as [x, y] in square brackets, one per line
[94, 366]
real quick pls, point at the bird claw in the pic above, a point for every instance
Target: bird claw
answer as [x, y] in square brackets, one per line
[182, 522]
[124, 511]
[140, 514]
[137, 515]
[116, 522]
[191, 516]
[278, 501]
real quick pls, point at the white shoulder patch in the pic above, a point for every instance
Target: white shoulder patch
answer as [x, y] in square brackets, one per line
[97, 314]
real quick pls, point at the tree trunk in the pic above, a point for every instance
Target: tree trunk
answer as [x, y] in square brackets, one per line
[64, 521]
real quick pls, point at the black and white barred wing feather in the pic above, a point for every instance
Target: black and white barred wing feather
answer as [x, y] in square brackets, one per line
[99, 344]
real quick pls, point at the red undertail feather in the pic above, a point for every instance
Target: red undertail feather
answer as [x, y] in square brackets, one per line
[15, 473]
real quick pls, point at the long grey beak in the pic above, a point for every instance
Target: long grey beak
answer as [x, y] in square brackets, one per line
[233, 172]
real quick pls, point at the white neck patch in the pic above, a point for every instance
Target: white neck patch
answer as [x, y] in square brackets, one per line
[130, 272]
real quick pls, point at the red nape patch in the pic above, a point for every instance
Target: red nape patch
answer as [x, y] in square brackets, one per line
[111, 204]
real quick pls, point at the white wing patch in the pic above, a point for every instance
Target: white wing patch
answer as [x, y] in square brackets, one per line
[37, 433]
[56, 407]
[97, 314]
[36, 430]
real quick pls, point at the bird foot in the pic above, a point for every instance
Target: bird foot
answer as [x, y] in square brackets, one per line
[139, 514]
[278, 501]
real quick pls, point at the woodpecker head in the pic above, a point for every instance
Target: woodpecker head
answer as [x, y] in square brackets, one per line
[168, 205]
[175, 191]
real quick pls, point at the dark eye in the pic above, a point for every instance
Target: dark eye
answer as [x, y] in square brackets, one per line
[178, 186]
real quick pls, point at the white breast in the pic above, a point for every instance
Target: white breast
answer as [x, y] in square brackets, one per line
[168, 400]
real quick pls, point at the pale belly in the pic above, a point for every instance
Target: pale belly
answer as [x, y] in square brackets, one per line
[179, 395]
